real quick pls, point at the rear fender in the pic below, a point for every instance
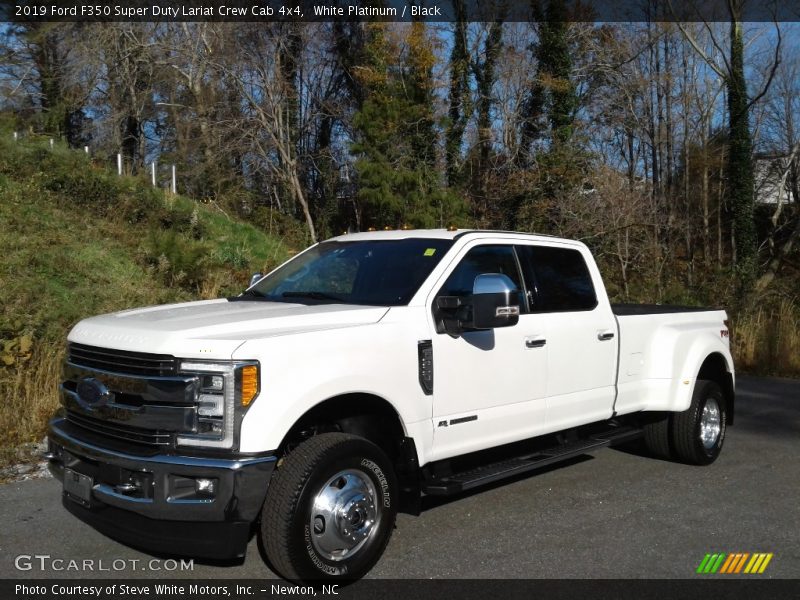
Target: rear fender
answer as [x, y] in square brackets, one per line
[711, 359]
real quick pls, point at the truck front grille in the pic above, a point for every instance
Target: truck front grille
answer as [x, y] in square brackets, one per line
[138, 435]
[122, 361]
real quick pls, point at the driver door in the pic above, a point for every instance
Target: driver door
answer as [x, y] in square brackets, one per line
[489, 385]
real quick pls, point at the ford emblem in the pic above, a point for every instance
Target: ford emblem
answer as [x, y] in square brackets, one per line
[93, 393]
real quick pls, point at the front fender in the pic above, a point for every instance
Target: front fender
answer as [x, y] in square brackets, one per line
[271, 418]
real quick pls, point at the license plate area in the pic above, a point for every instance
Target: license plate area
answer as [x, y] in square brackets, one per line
[78, 487]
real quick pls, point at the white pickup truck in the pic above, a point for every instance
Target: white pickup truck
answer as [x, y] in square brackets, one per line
[365, 372]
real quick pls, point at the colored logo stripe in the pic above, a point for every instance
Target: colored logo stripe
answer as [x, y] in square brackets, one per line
[711, 563]
[734, 563]
[727, 564]
[737, 563]
[703, 563]
[758, 563]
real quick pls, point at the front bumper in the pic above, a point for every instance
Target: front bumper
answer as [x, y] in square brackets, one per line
[162, 512]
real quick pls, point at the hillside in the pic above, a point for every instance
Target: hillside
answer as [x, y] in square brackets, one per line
[77, 240]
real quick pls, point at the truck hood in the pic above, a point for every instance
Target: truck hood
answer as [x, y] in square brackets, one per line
[214, 328]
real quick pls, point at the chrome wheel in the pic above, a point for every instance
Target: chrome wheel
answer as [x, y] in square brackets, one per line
[710, 424]
[344, 515]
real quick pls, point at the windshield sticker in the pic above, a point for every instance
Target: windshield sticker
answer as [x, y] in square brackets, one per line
[430, 251]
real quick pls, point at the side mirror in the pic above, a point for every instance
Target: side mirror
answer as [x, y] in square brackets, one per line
[495, 301]
[254, 279]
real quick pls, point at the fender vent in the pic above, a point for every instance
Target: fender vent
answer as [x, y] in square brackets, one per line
[425, 360]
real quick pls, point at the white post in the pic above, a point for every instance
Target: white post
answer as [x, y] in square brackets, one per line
[174, 182]
[119, 164]
[51, 143]
[86, 149]
[153, 172]
[16, 137]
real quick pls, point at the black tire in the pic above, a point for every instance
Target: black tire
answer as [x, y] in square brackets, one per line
[349, 469]
[656, 435]
[687, 425]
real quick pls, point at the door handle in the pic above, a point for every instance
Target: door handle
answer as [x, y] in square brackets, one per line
[535, 343]
[604, 336]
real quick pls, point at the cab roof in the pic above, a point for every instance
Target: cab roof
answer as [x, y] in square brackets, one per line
[443, 234]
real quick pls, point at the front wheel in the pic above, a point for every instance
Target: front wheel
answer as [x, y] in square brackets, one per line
[698, 433]
[330, 509]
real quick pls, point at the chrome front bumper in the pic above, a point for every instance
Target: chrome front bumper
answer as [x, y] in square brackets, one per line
[153, 502]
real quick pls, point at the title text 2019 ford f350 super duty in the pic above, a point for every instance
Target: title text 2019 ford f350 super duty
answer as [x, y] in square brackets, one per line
[365, 372]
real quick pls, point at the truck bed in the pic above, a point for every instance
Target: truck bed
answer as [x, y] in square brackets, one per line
[625, 310]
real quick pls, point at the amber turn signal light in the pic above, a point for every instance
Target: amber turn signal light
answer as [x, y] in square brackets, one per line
[249, 384]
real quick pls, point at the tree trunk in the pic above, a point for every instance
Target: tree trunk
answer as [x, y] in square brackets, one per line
[459, 95]
[740, 165]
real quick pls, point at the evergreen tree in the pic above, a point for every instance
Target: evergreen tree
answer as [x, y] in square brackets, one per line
[552, 100]
[396, 138]
[555, 72]
[548, 126]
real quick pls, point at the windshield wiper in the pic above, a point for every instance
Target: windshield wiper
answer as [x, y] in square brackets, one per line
[313, 295]
[248, 295]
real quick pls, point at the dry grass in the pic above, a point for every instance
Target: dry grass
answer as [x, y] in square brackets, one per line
[30, 397]
[767, 340]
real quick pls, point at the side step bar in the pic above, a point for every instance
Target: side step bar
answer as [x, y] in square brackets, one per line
[489, 473]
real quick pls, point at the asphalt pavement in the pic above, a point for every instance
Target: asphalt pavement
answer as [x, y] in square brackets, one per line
[611, 514]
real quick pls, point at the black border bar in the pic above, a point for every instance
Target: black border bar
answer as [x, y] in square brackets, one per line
[309, 11]
[745, 587]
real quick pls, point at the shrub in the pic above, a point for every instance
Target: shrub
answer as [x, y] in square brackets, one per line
[176, 260]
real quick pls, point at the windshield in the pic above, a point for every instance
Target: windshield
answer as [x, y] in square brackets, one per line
[372, 272]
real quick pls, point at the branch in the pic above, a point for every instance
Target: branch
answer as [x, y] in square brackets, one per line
[775, 63]
[719, 48]
[21, 81]
[782, 186]
[690, 38]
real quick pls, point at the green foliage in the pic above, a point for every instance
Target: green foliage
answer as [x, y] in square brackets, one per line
[555, 72]
[552, 100]
[59, 266]
[281, 225]
[561, 161]
[398, 175]
[78, 240]
[98, 191]
[179, 261]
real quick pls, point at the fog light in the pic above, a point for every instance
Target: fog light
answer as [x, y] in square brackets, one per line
[207, 487]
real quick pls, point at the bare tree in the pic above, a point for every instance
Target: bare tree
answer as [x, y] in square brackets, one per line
[739, 167]
[128, 78]
[270, 120]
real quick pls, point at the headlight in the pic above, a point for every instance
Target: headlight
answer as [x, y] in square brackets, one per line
[225, 390]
